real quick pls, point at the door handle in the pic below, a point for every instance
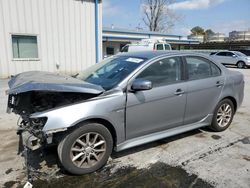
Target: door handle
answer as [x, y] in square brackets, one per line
[219, 84]
[179, 92]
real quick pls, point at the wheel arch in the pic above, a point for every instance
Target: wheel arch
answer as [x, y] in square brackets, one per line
[241, 61]
[233, 101]
[101, 121]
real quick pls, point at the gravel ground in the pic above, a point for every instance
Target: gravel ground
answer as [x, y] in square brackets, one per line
[220, 159]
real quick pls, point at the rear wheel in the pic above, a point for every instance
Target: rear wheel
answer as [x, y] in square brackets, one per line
[86, 149]
[241, 65]
[223, 115]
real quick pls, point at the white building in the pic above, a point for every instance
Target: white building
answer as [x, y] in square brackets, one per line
[200, 38]
[217, 37]
[49, 35]
[115, 38]
[239, 35]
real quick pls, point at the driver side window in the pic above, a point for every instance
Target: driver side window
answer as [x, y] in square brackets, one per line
[163, 72]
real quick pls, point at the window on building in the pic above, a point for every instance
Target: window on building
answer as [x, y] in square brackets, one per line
[24, 46]
[110, 51]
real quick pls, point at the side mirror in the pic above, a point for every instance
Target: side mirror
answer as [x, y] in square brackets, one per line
[234, 56]
[141, 84]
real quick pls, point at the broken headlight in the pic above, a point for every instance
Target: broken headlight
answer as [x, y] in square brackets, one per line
[38, 123]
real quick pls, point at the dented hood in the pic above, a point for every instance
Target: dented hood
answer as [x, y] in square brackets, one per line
[46, 81]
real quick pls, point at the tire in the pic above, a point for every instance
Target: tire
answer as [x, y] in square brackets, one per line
[79, 156]
[241, 65]
[223, 115]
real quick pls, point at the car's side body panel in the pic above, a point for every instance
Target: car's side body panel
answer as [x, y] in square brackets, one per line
[163, 134]
[110, 108]
[202, 97]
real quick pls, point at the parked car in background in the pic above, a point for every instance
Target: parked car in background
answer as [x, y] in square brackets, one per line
[128, 100]
[147, 45]
[231, 58]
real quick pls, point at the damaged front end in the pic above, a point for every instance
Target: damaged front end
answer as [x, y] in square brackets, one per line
[33, 92]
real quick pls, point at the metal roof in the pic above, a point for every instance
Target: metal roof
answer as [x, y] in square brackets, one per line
[109, 37]
[128, 31]
[153, 54]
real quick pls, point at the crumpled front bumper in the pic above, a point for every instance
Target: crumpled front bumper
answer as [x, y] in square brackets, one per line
[30, 141]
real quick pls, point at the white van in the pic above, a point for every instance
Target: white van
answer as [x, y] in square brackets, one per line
[144, 46]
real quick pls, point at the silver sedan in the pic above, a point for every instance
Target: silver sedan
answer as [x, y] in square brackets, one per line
[127, 100]
[232, 58]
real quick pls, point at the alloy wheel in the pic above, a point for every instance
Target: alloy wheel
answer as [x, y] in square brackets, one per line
[224, 115]
[88, 150]
[240, 65]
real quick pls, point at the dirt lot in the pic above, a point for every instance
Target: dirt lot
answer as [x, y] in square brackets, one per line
[199, 158]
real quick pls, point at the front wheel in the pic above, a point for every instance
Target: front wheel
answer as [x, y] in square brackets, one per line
[86, 149]
[223, 115]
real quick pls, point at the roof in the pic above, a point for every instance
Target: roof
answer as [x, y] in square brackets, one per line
[153, 54]
[114, 34]
[130, 31]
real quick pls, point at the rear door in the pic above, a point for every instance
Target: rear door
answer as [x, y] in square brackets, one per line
[231, 58]
[204, 86]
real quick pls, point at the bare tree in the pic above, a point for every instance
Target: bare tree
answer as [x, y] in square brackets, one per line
[157, 16]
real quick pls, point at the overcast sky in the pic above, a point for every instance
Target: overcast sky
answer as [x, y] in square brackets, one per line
[218, 15]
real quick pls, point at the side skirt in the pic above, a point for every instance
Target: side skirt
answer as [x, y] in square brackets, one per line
[163, 134]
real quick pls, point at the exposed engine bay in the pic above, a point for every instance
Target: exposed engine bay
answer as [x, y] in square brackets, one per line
[30, 102]
[37, 91]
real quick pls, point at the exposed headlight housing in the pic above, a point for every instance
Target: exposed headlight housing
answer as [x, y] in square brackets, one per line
[38, 123]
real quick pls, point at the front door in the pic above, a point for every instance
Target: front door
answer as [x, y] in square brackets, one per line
[163, 106]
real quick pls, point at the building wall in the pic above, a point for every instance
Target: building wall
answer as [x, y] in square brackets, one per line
[65, 31]
[200, 38]
[217, 37]
[239, 35]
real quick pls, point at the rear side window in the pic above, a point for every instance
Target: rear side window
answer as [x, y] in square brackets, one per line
[215, 70]
[222, 54]
[199, 68]
[230, 54]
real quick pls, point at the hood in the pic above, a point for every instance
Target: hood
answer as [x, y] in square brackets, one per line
[46, 81]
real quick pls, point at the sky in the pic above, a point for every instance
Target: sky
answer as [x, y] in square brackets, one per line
[219, 15]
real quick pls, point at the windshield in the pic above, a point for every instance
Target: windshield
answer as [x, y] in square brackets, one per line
[111, 71]
[240, 54]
